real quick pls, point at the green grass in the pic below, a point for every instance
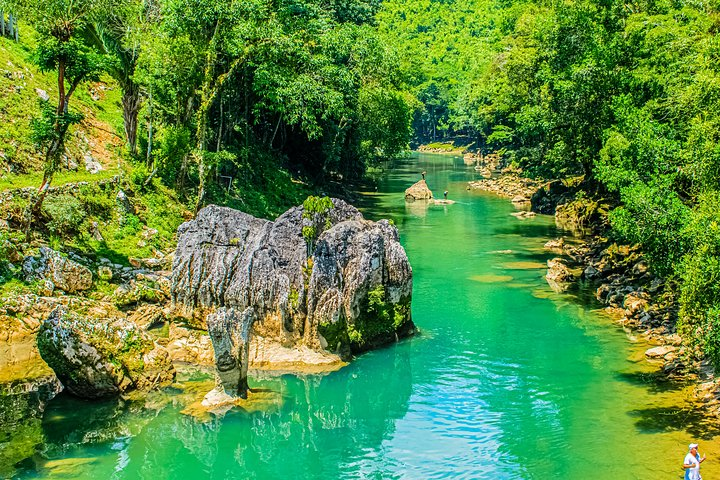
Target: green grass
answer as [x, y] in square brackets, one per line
[10, 182]
[19, 102]
[20, 80]
[124, 235]
[14, 287]
[447, 147]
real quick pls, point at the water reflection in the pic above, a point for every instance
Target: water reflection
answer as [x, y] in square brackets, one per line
[418, 208]
[326, 424]
[501, 384]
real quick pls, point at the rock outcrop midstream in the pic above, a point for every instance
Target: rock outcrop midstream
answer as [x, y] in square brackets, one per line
[230, 334]
[341, 292]
[418, 191]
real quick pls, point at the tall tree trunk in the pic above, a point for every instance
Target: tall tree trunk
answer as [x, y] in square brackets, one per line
[180, 182]
[220, 128]
[2, 23]
[148, 156]
[131, 102]
[54, 151]
[12, 27]
[207, 96]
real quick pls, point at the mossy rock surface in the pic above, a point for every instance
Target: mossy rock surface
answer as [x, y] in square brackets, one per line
[381, 322]
[96, 358]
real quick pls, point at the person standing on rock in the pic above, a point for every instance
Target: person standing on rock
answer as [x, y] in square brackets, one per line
[692, 462]
[423, 174]
[445, 193]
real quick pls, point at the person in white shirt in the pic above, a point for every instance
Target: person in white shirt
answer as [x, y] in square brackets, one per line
[692, 462]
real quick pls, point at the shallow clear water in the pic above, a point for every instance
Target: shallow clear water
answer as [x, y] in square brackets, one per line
[506, 380]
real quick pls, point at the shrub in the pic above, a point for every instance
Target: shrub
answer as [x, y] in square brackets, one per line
[139, 175]
[315, 211]
[654, 217]
[66, 214]
[14, 210]
[97, 201]
[699, 321]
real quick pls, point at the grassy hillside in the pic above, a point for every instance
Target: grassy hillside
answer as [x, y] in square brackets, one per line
[86, 217]
[23, 85]
[82, 212]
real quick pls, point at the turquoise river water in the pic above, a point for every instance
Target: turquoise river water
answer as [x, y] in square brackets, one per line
[505, 380]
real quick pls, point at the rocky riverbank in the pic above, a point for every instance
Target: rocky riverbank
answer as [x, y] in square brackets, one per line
[618, 276]
[317, 288]
[445, 148]
[509, 184]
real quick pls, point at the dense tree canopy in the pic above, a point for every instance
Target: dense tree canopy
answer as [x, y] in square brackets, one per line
[304, 81]
[219, 95]
[232, 92]
[625, 94]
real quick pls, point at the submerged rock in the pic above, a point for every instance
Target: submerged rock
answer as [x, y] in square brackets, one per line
[26, 397]
[559, 276]
[418, 191]
[523, 214]
[95, 358]
[350, 294]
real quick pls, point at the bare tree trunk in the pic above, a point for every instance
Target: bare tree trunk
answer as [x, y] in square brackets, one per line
[131, 102]
[12, 27]
[207, 96]
[148, 156]
[220, 128]
[277, 125]
[55, 149]
[52, 160]
[183, 173]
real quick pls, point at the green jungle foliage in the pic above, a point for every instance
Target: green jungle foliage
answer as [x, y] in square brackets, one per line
[626, 94]
[253, 103]
[222, 98]
[316, 216]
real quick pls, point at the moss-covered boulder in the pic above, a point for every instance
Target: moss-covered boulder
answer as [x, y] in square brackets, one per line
[62, 272]
[96, 358]
[360, 287]
[582, 215]
[546, 199]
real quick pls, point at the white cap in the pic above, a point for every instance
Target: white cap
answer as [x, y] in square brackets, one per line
[693, 445]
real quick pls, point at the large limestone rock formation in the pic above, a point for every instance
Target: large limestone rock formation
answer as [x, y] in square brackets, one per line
[350, 294]
[100, 358]
[418, 191]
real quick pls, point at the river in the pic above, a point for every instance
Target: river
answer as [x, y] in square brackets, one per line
[505, 380]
